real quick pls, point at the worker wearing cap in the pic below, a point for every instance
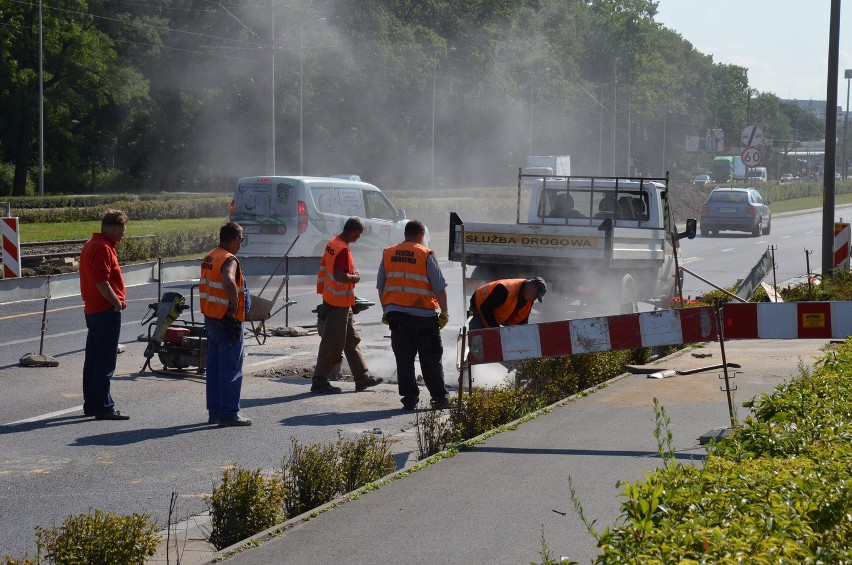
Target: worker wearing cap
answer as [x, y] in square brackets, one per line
[506, 302]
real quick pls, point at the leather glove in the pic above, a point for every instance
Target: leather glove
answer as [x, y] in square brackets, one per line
[385, 320]
[443, 318]
[233, 327]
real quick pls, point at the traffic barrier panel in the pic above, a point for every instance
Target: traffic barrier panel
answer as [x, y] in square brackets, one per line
[11, 248]
[842, 232]
[764, 320]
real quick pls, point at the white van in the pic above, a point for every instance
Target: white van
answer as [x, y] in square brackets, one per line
[274, 210]
[757, 174]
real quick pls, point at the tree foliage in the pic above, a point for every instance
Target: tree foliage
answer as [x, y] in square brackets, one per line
[175, 91]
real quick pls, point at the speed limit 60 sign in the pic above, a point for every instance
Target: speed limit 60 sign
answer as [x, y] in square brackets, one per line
[752, 157]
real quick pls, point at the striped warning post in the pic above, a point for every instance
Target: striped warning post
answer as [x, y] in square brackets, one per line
[765, 320]
[11, 248]
[842, 233]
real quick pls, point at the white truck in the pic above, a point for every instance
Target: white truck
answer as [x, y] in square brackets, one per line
[548, 165]
[607, 242]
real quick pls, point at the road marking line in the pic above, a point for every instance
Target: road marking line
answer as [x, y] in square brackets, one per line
[280, 358]
[786, 237]
[63, 334]
[728, 249]
[46, 416]
[689, 260]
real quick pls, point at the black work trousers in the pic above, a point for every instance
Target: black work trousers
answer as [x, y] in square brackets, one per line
[417, 336]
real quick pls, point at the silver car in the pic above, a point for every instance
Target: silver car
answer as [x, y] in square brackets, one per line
[735, 209]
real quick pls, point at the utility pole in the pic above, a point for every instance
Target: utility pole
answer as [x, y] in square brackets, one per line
[830, 141]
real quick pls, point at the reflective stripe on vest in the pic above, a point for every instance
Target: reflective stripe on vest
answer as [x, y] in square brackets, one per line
[211, 288]
[505, 314]
[333, 292]
[407, 280]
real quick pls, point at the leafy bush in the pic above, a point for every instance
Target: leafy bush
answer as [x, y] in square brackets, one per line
[137, 209]
[776, 491]
[434, 433]
[166, 245]
[363, 461]
[315, 474]
[244, 504]
[484, 410]
[555, 378]
[99, 537]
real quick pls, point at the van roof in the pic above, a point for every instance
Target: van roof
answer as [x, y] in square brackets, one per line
[308, 180]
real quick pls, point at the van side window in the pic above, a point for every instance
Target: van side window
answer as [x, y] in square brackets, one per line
[324, 199]
[351, 202]
[378, 206]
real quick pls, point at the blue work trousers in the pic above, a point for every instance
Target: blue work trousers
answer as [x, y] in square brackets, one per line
[99, 364]
[417, 336]
[224, 371]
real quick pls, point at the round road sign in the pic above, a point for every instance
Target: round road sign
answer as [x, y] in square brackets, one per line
[751, 136]
[752, 157]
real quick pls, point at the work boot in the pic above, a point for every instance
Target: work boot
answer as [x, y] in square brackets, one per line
[371, 381]
[327, 388]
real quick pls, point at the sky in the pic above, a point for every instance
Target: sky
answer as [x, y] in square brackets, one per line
[782, 43]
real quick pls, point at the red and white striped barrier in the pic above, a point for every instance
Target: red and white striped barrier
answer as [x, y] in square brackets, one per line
[11, 248]
[785, 320]
[842, 234]
[788, 320]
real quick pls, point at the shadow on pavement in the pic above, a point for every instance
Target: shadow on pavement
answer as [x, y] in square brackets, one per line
[128, 437]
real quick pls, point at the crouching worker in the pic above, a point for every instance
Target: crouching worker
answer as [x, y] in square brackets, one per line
[412, 289]
[506, 302]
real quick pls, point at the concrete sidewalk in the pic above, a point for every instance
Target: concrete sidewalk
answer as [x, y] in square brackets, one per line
[495, 502]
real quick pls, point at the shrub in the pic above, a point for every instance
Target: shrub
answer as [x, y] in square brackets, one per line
[315, 474]
[484, 410]
[776, 491]
[166, 245]
[99, 537]
[363, 461]
[244, 504]
[555, 378]
[434, 433]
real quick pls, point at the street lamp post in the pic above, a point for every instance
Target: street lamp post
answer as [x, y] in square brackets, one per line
[272, 80]
[434, 103]
[40, 104]
[301, 93]
[847, 74]
[434, 97]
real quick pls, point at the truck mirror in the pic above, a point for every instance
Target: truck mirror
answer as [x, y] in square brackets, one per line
[400, 214]
[691, 225]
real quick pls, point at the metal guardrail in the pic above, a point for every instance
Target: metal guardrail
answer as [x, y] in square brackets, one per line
[43, 287]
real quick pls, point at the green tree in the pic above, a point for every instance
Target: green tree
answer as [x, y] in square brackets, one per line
[86, 84]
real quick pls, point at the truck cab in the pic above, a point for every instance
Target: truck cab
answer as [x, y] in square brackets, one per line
[587, 201]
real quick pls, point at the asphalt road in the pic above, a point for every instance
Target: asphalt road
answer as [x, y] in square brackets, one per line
[55, 463]
[730, 256]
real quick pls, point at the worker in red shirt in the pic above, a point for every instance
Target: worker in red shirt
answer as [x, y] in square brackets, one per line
[102, 289]
[336, 281]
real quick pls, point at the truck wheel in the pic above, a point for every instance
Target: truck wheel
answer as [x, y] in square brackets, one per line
[628, 295]
[704, 231]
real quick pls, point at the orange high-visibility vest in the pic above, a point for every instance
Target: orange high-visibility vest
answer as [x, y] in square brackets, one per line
[505, 314]
[211, 290]
[407, 282]
[335, 293]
